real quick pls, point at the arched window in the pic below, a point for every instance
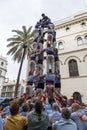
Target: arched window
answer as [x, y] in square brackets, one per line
[79, 41]
[73, 68]
[60, 45]
[86, 39]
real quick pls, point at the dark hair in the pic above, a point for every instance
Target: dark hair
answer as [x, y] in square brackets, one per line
[21, 100]
[43, 15]
[14, 107]
[50, 70]
[55, 106]
[31, 106]
[48, 45]
[25, 107]
[38, 106]
[77, 96]
[66, 113]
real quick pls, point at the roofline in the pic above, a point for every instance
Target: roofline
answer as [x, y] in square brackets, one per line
[76, 18]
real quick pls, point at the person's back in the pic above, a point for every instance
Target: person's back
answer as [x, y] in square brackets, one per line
[1, 123]
[38, 120]
[81, 125]
[65, 125]
[55, 114]
[49, 76]
[25, 109]
[49, 50]
[45, 20]
[15, 121]
[65, 122]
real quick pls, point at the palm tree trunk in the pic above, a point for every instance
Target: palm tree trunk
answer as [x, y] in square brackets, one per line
[19, 73]
[28, 67]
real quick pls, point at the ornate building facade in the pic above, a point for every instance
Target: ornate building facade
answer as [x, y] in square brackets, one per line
[71, 34]
[8, 88]
[3, 70]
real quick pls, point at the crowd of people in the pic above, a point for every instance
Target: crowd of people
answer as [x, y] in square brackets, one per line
[42, 112]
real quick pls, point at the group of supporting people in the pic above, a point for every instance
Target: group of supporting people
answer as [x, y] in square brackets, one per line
[44, 113]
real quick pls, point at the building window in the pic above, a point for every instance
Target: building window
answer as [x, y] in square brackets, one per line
[4, 89]
[86, 39]
[10, 89]
[73, 68]
[2, 63]
[67, 29]
[79, 41]
[3, 94]
[9, 94]
[0, 72]
[83, 24]
[60, 45]
[22, 90]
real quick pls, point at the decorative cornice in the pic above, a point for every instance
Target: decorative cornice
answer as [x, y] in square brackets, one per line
[71, 20]
[3, 58]
[60, 54]
[3, 68]
[84, 76]
[84, 31]
[2, 76]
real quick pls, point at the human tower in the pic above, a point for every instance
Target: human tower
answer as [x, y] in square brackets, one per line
[44, 70]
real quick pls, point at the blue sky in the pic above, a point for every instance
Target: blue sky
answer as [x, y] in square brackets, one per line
[16, 13]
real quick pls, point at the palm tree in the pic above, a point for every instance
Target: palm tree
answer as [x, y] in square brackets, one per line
[20, 47]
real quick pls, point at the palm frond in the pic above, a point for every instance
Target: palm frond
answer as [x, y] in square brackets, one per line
[29, 29]
[13, 43]
[19, 41]
[12, 50]
[18, 32]
[18, 54]
[24, 29]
